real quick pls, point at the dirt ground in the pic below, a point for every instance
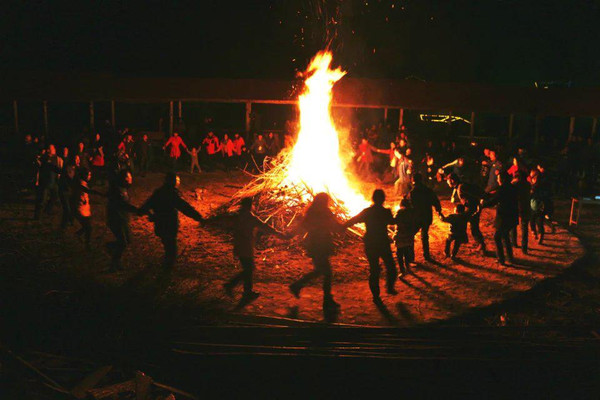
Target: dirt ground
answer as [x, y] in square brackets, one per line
[435, 291]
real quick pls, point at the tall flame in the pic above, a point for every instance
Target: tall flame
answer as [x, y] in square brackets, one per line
[316, 160]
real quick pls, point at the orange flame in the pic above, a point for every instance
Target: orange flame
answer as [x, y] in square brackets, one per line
[316, 160]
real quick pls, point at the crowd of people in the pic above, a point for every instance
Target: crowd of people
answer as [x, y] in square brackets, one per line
[520, 189]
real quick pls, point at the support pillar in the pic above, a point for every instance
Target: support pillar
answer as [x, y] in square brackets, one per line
[248, 112]
[112, 114]
[179, 109]
[45, 109]
[92, 118]
[571, 127]
[16, 116]
[401, 118]
[594, 126]
[511, 125]
[385, 115]
[472, 130]
[170, 118]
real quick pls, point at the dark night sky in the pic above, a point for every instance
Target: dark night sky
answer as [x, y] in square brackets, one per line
[494, 41]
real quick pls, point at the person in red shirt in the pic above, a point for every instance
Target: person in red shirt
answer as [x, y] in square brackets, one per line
[175, 152]
[239, 148]
[365, 157]
[227, 151]
[212, 146]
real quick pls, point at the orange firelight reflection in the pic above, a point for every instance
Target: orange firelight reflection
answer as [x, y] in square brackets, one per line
[316, 160]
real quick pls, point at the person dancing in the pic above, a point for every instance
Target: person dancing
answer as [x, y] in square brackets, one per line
[320, 224]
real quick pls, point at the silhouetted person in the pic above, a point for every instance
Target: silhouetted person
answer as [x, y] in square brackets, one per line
[470, 196]
[458, 230]
[65, 191]
[164, 206]
[320, 225]
[377, 242]
[519, 174]
[143, 155]
[507, 215]
[47, 182]
[495, 167]
[406, 228]
[80, 204]
[423, 199]
[243, 248]
[118, 209]
[539, 200]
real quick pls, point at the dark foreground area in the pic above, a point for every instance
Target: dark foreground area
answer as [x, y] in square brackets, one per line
[61, 331]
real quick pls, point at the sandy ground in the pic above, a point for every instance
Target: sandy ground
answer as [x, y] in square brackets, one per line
[434, 291]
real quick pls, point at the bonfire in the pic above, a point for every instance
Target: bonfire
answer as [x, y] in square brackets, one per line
[316, 163]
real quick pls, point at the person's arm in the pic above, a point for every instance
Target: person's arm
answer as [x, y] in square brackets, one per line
[147, 206]
[360, 217]
[436, 202]
[451, 164]
[126, 205]
[187, 209]
[490, 202]
[170, 141]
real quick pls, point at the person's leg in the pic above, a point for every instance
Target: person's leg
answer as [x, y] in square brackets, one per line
[66, 210]
[499, 249]
[40, 196]
[304, 280]
[513, 236]
[119, 245]
[247, 273]
[170, 245]
[237, 278]
[374, 271]
[323, 265]
[410, 251]
[455, 249]
[400, 259]
[525, 235]
[391, 273]
[533, 224]
[52, 197]
[540, 227]
[476, 232]
[86, 224]
[509, 252]
[425, 241]
[447, 246]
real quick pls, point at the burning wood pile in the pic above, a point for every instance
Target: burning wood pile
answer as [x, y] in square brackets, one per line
[278, 202]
